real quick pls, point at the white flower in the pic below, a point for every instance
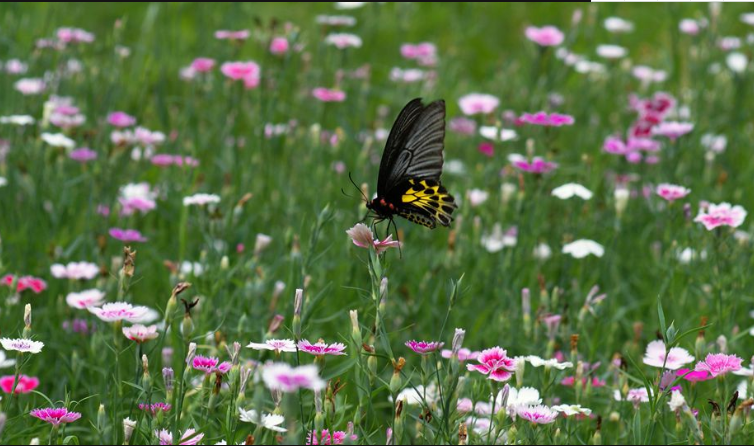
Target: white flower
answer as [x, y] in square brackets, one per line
[687, 255]
[119, 311]
[497, 240]
[22, 345]
[5, 362]
[582, 248]
[542, 251]
[414, 396]
[715, 143]
[75, 270]
[748, 18]
[280, 345]
[268, 421]
[455, 167]
[195, 268]
[657, 355]
[737, 62]
[493, 133]
[343, 40]
[587, 67]
[517, 398]
[676, 400]
[201, 199]
[536, 361]
[611, 51]
[58, 140]
[3, 181]
[86, 298]
[477, 197]
[349, 5]
[572, 409]
[570, 190]
[618, 25]
[17, 120]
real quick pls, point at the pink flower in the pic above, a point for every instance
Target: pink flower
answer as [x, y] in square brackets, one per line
[249, 72]
[83, 155]
[74, 35]
[542, 118]
[719, 364]
[462, 126]
[210, 365]
[203, 64]
[693, 376]
[277, 345]
[121, 119]
[164, 160]
[328, 95]
[637, 396]
[35, 284]
[321, 349]
[75, 271]
[29, 86]
[362, 237]
[140, 333]
[122, 311]
[537, 414]
[722, 214]
[495, 363]
[537, 165]
[84, 299]
[671, 192]
[189, 437]
[127, 235]
[545, 36]
[476, 103]
[486, 149]
[25, 383]
[154, 408]
[689, 26]
[281, 376]
[424, 347]
[279, 46]
[148, 137]
[569, 381]
[137, 197]
[55, 416]
[658, 356]
[65, 121]
[325, 438]
[672, 130]
[464, 354]
[425, 53]
[232, 35]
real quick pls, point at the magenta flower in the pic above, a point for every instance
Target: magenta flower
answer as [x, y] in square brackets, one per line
[155, 408]
[545, 36]
[122, 311]
[321, 349]
[210, 365]
[719, 364]
[55, 416]
[658, 356]
[75, 271]
[424, 347]
[121, 119]
[232, 35]
[127, 235]
[672, 130]
[248, 72]
[202, 64]
[537, 414]
[23, 283]
[672, 192]
[495, 363]
[279, 46]
[537, 165]
[722, 214]
[464, 354]
[281, 376]
[25, 383]
[486, 149]
[543, 119]
[189, 437]
[325, 438]
[478, 103]
[140, 333]
[362, 237]
[83, 155]
[329, 95]
[693, 376]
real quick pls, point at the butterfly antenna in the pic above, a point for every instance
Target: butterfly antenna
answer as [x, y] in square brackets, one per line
[357, 187]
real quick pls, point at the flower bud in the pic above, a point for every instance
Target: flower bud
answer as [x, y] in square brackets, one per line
[128, 429]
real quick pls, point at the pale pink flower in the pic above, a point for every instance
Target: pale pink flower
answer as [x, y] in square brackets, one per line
[232, 35]
[723, 214]
[210, 365]
[343, 40]
[462, 126]
[55, 416]
[148, 137]
[165, 159]
[424, 347]
[121, 119]
[202, 64]
[279, 46]
[537, 165]
[425, 53]
[75, 271]
[672, 129]
[719, 364]
[127, 235]
[476, 103]
[637, 396]
[65, 121]
[189, 437]
[15, 66]
[464, 354]
[689, 26]
[329, 95]
[658, 356]
[29, 86]
[85, 299]
[321, 349]
[648, 75]
[537, 414]
[672, 192]
[281, 376]
[543, 119]
[74, 35]
[362, 237]
[25, 383]
[121, 311]
[23, 283]
[408, 76]
[137, 197]
[545, 36]
[276, 345]
[83, 155]
[140, 333]
[495, 363]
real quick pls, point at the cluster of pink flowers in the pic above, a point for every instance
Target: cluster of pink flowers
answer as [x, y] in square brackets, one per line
[544, 119]
[65, 115]
[154, 408]
[74, 35]
[424, 53]
[326, 438]
[165, 159]
[329, 95]
[24, 283]
[537, 165]
[75, 271]
[248, 72]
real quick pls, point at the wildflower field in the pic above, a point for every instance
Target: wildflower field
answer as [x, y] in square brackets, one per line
[184, 257]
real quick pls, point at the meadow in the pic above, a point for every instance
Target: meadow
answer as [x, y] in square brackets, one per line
[184, 260]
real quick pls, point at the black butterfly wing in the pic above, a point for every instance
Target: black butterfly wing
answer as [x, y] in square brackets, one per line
[414, 147]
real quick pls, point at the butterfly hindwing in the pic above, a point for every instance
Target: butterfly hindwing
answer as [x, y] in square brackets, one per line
[424, 202]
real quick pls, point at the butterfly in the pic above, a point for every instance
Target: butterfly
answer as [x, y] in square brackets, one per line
[409, 184]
